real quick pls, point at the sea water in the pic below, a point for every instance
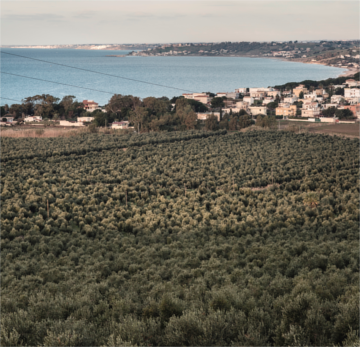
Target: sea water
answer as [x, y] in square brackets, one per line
[182, 74]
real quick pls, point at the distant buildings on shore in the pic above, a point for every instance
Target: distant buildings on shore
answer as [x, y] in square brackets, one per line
[298, 102]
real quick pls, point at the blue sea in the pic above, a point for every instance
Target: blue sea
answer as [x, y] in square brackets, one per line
[198, 74]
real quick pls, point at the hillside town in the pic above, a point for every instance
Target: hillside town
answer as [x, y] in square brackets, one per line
[298, 104]
[331, 104]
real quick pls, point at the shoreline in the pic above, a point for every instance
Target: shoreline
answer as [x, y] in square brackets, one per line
[347, 72]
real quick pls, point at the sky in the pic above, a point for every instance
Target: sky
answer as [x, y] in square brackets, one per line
[51, 22]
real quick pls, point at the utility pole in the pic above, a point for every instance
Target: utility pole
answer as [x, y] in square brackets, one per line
[185, 188]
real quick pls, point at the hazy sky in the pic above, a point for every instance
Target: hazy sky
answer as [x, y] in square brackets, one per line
[68, 22]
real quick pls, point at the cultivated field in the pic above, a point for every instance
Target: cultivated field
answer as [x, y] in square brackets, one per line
[349, 130]
[41, 131]
[184, 239]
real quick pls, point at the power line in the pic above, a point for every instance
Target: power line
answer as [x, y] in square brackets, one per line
[10, 99]
[100, 73]
[64, 84]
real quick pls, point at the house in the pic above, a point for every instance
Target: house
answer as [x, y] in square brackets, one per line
[188, 95]
[286, 111]
[242, 105]
[233, 95]
[310, 112]
[258, 94]
[120, 125]
[353, 101]
[205, 115]
[231, 110]
[267, 100]
[66, 123]
[8, 119]
[90, 105]
[319, 92]
[33, 119]
[352, 83]
[309, 96]
[300, 88]
[220, 95]
[85, 119]
[336, 98]
[260, 89]
[255, 110]
[326, 106]
[291, 99]
[241, 90]
[351, 92]
[273, 93]
[310, 105]
[248, 99]
[204, 98]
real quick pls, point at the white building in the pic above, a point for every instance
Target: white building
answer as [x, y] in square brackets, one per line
[85, 119]
[91, 105]
[8, 119]
[273, 93]
[351, 92]
[206, 115]
[328, 119]
[291, 99]
[353, 101]
[233, 95]
[241, 90]
[326, 106]
[310, 105]
[66, 123]
[33, 119]
[202, 97]
[255, 110]
[310, 112]
[231, 109]
[336, 98]
[352, 83]
[248, 99]
[267, 100]
[309, 96]
[120, 125]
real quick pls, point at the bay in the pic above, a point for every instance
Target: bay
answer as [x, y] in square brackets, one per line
[188, 74]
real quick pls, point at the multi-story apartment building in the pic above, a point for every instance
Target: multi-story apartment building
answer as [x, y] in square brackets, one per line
[286, 111]
[351, 92]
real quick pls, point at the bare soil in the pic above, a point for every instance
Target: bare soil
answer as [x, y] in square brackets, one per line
[349, 130]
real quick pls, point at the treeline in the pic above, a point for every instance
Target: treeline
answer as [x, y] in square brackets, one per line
[315, 84]
[249, 239]
[46, 106]
[146, 115]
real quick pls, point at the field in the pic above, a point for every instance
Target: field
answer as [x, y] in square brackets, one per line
[350, 130]
[183, 239]
[43, 131]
